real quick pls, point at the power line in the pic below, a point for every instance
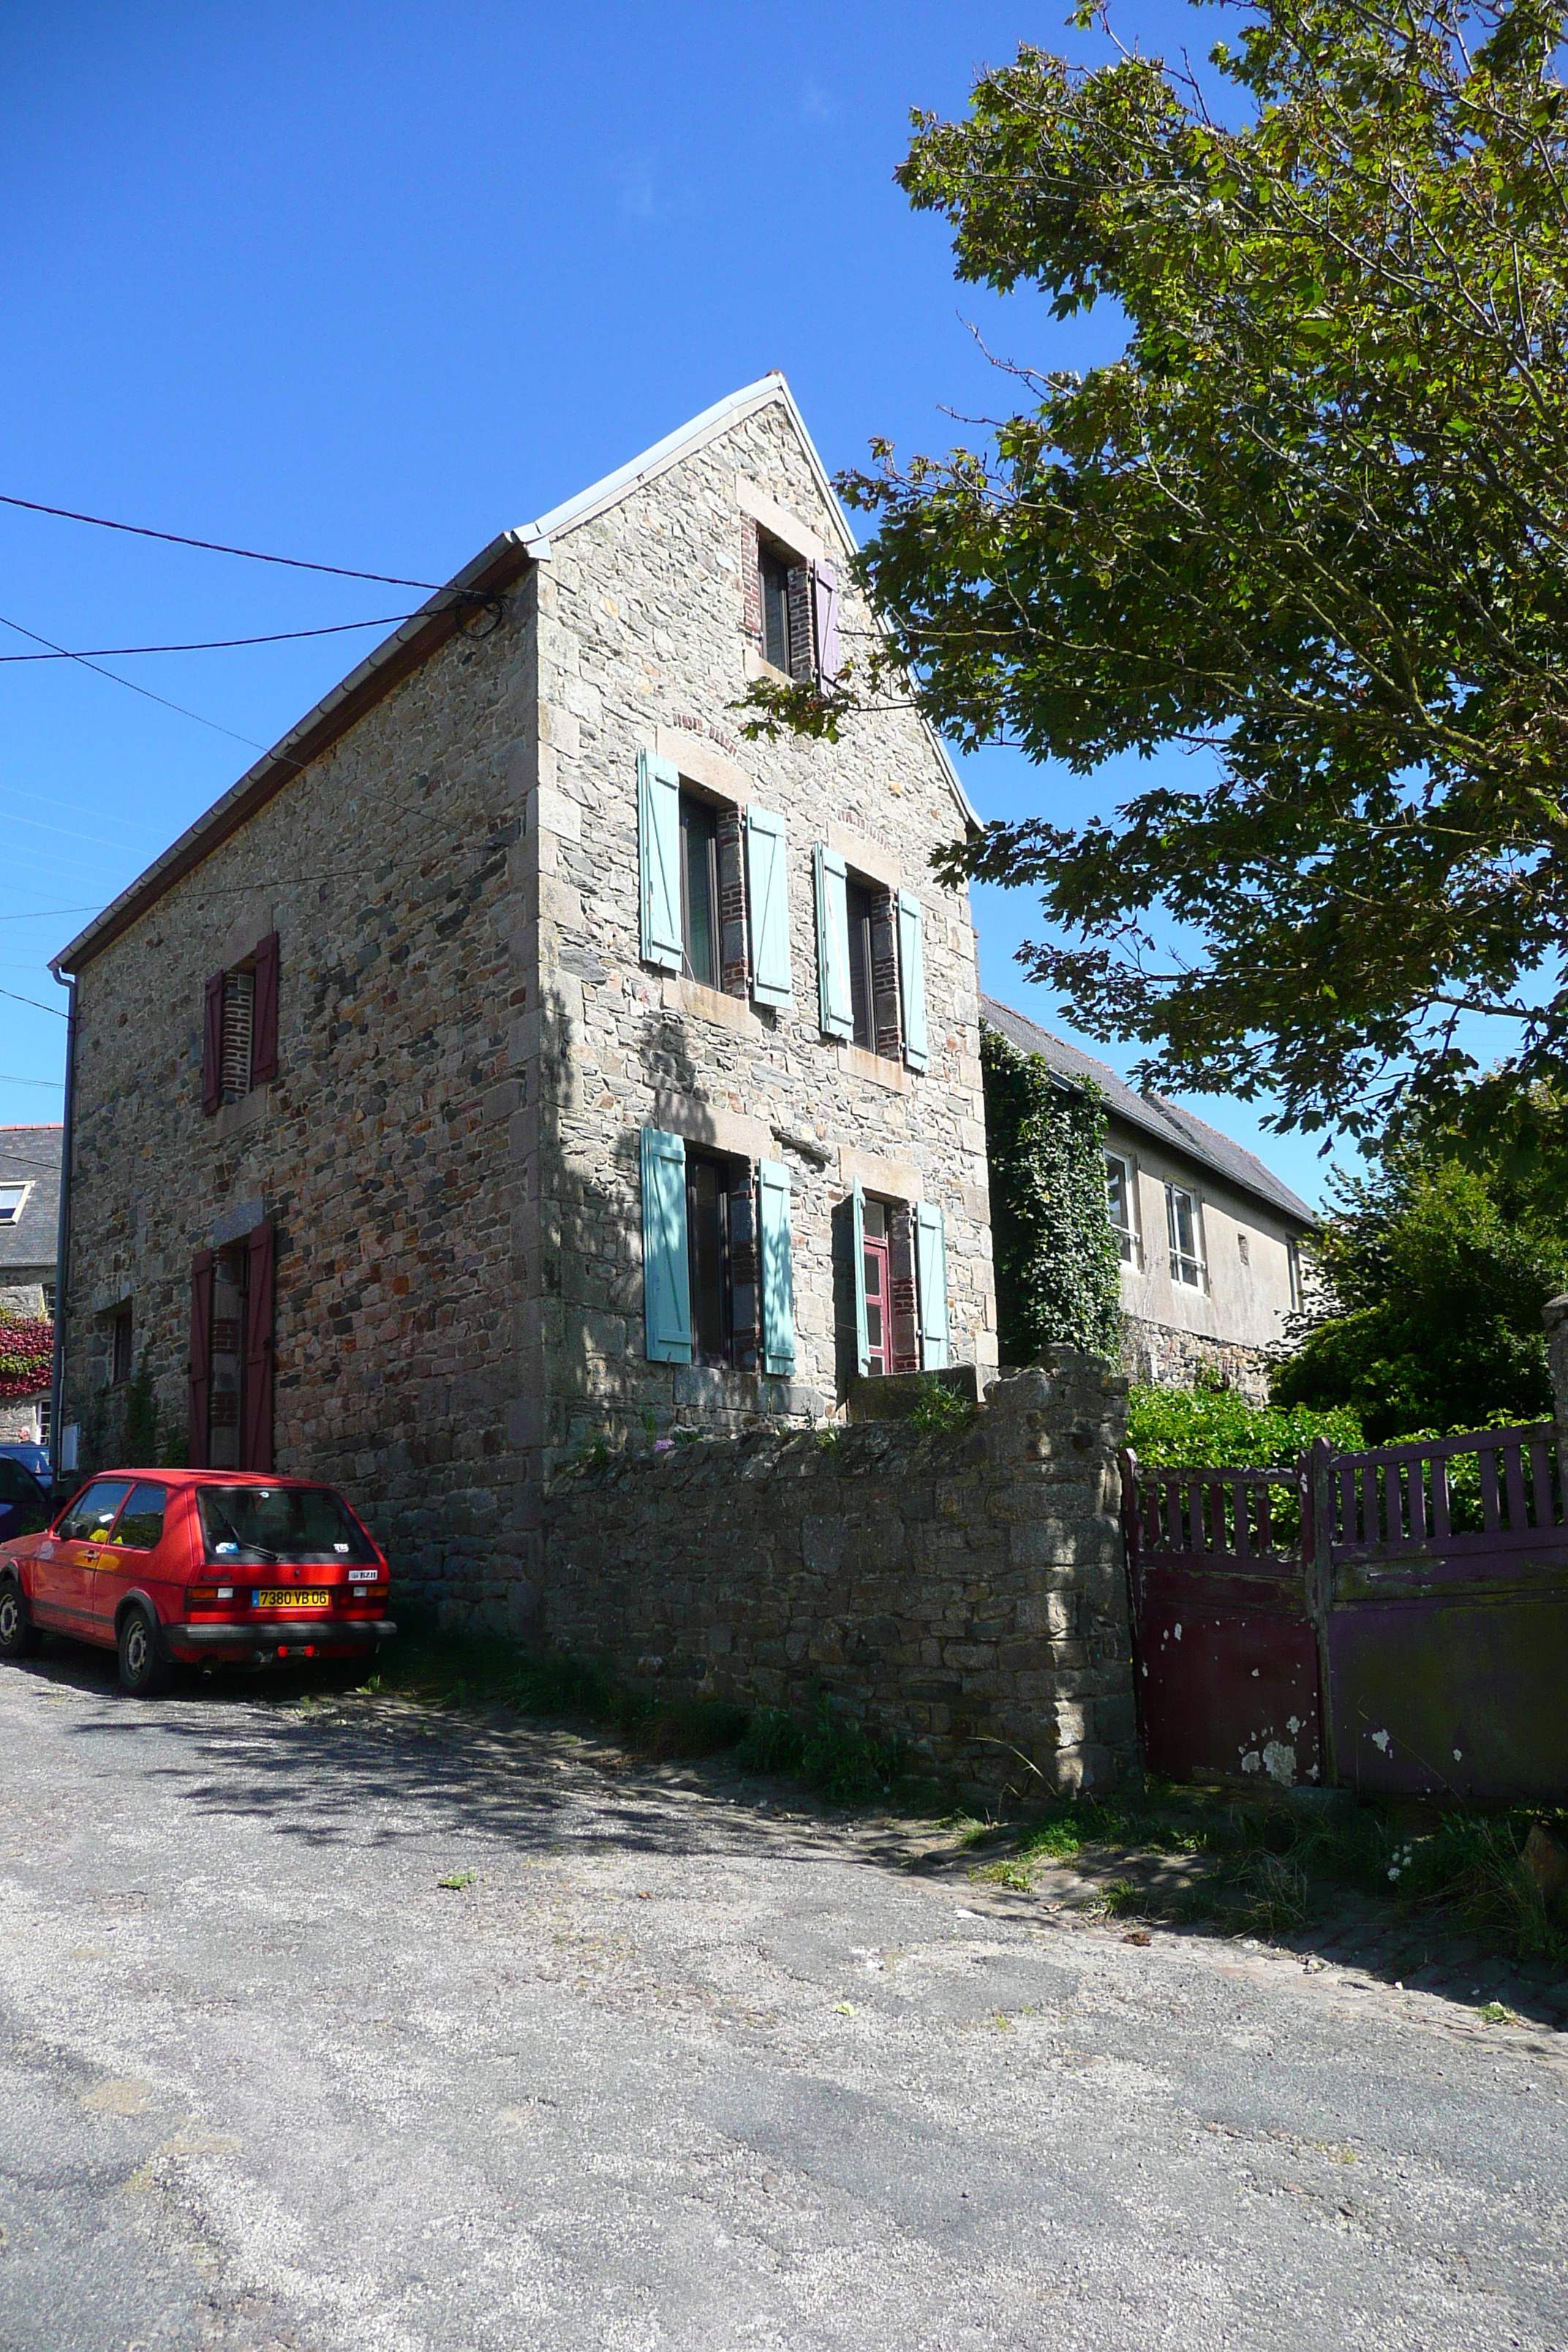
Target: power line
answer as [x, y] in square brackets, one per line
[207, 645]
[9, 1079]
[37, 1003]
[248, 741]
[215, 547]
[47, 914]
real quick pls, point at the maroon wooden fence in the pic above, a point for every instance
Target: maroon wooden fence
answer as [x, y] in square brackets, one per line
[1393, 1620]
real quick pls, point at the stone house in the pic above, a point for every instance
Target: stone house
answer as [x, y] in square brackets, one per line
[518, 1060]
[1210, 1238]
[29, 1233]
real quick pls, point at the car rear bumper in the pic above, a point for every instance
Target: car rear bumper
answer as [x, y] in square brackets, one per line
[281, 1638]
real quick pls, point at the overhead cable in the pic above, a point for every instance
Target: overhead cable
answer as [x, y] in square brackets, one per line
[210, 645]
[215, 547]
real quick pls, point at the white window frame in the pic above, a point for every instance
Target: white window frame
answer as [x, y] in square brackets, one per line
[1182, 1260]
[12, 1216]
[1128, 1232]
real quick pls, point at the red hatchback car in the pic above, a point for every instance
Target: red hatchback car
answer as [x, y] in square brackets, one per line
[197, 1568]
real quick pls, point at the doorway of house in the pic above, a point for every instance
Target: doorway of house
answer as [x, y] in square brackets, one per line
[230, 1279]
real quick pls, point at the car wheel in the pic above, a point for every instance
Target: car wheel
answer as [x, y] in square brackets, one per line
[143, 1671]
[18, 1634]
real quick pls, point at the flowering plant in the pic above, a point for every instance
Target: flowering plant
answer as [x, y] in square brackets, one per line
[27, 1357]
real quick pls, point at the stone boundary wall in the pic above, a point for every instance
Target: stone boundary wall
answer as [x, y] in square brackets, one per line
[962, 1591]
[1157, 1355]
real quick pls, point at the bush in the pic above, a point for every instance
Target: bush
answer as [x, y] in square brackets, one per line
[1173, 1427]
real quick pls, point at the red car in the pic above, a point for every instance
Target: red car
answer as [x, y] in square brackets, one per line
[195, 1567]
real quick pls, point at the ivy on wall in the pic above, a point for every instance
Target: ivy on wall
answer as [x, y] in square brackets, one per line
[27, 1357]
[1058, 1270]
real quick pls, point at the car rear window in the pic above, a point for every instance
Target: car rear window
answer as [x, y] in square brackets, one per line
[257, 1525]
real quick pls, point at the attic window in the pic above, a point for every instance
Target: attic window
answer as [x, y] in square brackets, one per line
[774, 572]
[11, 1199]
[797, 613]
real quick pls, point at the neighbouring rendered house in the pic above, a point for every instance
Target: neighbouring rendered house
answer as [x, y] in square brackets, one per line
[517, 1057]
[1210, 1239]
[29, 1235]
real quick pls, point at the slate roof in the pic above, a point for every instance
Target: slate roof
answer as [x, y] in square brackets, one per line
[31, 1155]
[1191, 1138]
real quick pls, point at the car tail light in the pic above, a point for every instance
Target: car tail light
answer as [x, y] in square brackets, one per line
[209, 1596]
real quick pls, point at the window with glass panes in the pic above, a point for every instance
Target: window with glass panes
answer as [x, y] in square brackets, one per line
[712, 1186]
[700, 888]
[1118, 1205]
[1184, 1233]
[774, 572]
[878, 1292]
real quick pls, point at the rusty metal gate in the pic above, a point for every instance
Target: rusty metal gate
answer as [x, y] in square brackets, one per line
[1393, 1620]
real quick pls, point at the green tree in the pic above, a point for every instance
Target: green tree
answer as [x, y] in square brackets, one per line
[1055, 1262]
[1314, 517]
[1437, 1265]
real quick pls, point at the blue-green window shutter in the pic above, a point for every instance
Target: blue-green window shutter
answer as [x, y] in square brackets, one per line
[931, 1267]
[659, 846]
[778, 1271]
[858, 1221]
[913, 980]
[833, 943]
[666, 1281]
[767, 886]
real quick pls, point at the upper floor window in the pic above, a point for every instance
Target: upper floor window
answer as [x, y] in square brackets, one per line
[1184, 1230]
[239, 1039]
[699, 889]
[773, 571]
[1293, 1270]
[1118, 1203]
[794, 618]
[870, 949]
[11, 1199]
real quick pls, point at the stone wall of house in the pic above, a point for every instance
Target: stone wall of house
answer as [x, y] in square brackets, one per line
[644, 643]
[383, 1153]
[963, 1593]
[1157, 1356]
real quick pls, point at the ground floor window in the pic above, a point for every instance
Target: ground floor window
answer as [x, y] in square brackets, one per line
[717, 1281]
[719, 1237]
[876, 1270]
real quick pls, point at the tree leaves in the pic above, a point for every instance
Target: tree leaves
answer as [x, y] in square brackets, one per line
[1314, 520]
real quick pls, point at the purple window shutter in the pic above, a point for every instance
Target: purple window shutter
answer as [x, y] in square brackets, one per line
[256, 1436]
[824, 603]
[264, 1013]
[200, 1364]
[212, 1045]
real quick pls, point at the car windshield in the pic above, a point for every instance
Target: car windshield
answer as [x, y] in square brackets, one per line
[249, 1525]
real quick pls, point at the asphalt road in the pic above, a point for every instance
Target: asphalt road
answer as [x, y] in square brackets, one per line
[675, 2071]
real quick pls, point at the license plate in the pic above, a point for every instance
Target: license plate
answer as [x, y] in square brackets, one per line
[291, 1596]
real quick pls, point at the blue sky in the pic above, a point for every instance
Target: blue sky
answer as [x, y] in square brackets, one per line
[368, 284]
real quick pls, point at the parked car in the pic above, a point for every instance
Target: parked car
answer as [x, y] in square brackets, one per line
[197, 1567]
[24, 1506]
[31, 1456]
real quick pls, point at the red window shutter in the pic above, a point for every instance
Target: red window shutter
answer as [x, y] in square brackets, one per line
[825, 605]
[212, 1045]
[200, 1367]
[263, 1014]
[255, 1437]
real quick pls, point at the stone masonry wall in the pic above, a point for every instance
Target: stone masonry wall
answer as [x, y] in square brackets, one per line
[643, 643]
[382, 1153]
[1157, 1356]
[962, 1591]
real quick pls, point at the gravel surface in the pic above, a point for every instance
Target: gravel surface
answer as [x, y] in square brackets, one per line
[683, 2066]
